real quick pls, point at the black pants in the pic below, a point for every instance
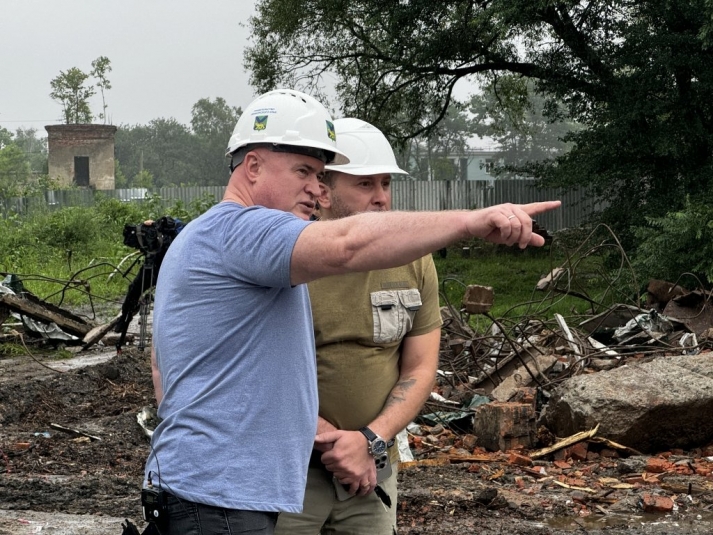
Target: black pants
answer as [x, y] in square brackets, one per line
[189, 518]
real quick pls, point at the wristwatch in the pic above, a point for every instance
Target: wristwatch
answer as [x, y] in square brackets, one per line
[377, 445]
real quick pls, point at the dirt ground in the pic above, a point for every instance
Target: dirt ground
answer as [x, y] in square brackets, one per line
[61, 483]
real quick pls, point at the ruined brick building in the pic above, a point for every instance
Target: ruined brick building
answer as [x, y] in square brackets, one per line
[82, 154]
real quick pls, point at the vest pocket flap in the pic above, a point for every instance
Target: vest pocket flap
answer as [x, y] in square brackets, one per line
[384, 300]
[410, 299]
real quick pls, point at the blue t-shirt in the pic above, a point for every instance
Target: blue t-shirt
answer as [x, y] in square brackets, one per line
[235, 348]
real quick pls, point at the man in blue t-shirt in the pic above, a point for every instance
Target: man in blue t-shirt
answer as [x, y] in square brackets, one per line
[234, 361]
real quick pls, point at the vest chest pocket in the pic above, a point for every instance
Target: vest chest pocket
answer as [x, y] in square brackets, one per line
[393, 312]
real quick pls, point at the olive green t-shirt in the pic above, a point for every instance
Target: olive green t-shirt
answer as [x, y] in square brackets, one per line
[360, 320]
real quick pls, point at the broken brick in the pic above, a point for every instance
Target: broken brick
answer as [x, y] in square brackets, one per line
[577, 452]
[504, 426]
[562, 464]
[519, 460]
[525, 394]
[478, 299]
[469, 441]
[609, 453]
[657, 465]
[652, 503]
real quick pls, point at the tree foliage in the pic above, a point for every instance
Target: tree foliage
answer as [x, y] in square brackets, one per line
[69, 89]
[15, 171]
[212, 123]
[175, 155]
[22, 157]
[100, 68]
[679, 242]
[527, 126]
[638, 76]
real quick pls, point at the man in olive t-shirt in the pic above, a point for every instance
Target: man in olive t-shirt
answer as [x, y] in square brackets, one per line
[377, 335]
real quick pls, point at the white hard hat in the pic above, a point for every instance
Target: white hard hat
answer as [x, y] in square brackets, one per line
[288, 121]
[369, 151]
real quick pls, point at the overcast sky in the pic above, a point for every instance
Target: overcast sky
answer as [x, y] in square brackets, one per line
[165, 56]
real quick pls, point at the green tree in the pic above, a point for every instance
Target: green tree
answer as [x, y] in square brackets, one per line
[5, 137]
[120, 180]
[100, 68]
[212, 123]
[175, 154]
[34, 148]
[144, 179]
[164, 147]
[638, 76]
[433, 155]
[69, 89]
[528, 127]
[15, 172]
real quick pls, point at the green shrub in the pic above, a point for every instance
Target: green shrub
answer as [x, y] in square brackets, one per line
[677, 243]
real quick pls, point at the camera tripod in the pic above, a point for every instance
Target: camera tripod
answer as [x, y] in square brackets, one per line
[139, 298]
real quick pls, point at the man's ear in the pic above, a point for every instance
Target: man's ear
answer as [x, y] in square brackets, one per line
[325, 196]
[253, 165]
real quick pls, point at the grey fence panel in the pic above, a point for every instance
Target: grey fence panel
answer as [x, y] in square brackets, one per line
[577, 205]
[188, 194]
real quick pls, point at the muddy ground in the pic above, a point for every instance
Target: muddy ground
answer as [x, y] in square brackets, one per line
[56, 482]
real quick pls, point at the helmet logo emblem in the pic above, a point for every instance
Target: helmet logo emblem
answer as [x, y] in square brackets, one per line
[330, 131]
[261, 122]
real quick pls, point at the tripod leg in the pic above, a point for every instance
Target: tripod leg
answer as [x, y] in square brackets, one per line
[143, 318]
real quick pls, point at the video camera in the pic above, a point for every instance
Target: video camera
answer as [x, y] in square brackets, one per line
[151, 237]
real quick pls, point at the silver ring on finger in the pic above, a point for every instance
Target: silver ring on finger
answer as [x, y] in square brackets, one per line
[511, 216]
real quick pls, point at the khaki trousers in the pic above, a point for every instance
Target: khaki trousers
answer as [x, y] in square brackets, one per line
[324, 514]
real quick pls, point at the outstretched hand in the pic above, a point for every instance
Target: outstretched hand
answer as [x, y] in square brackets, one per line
[509, 224]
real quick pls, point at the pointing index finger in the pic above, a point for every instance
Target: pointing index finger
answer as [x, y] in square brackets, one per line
[535, 208]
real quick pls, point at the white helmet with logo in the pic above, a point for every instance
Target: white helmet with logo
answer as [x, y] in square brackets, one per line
[369, 151]
[285, 120]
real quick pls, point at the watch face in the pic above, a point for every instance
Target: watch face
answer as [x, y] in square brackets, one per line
[378, 447]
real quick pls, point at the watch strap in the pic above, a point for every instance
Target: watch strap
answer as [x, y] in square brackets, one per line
[368, 433]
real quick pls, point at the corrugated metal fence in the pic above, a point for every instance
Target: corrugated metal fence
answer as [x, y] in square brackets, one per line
[577, 205]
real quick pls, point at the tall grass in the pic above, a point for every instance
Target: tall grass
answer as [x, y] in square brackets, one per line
[75, 256]
[586, 287]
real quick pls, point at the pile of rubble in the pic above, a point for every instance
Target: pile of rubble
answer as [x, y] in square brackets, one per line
[34, 321]
[618, 402]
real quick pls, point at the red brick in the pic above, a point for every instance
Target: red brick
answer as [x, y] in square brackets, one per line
[609, 453]
[519, 460]
[578, 452]
[653, 503]
[657, 465]
[525, 394]
[592, 456]
[562, 464]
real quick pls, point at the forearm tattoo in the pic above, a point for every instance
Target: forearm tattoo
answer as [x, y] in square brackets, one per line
[398, 393]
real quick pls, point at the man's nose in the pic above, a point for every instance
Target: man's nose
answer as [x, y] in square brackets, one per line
[380, 197]
[312, 186]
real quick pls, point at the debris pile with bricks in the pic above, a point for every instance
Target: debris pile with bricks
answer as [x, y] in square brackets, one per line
[615, 409]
